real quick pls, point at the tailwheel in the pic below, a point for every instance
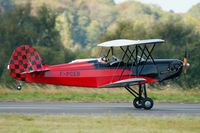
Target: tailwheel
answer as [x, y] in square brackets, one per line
[137, 102]
[18, 87]
[147, 103]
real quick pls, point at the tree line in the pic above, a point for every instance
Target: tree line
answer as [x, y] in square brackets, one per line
[63, 35]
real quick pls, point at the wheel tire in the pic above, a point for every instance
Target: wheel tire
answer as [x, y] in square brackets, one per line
[136, 103]
[19, 87]
[147, 103]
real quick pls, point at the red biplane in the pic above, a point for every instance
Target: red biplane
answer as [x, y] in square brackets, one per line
[135, 66]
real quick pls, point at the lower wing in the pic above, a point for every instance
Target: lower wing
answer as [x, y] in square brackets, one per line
[125, 82]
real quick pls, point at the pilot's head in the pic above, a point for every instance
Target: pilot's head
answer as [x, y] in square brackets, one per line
[104, 60]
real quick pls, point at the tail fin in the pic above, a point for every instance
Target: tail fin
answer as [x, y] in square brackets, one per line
[24, 59]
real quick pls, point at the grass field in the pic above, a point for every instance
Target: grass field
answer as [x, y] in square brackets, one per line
[18, 123]
[58, 93]
[25, 123]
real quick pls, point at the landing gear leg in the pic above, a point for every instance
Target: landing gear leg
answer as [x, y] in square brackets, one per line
[137, 102]
[147, 102]
[141, 100]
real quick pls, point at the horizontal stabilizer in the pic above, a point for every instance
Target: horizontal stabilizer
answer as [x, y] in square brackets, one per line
[125, 82]
[42, 70]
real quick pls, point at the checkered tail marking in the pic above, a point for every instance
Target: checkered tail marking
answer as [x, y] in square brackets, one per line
[24, 59]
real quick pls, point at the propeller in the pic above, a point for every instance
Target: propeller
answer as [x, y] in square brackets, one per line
[185, 62]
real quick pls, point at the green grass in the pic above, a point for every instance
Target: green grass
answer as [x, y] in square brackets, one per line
[58, 93]
[18, 123]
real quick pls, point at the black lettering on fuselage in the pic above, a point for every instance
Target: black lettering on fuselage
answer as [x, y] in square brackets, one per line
[70, 73]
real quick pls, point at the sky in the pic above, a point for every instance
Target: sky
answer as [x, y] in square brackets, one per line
[179, 6]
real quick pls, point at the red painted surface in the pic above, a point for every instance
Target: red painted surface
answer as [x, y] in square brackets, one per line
[26, 65]
[80, 74]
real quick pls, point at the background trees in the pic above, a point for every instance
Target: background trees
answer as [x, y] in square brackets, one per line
[19, 26]
[67, 29]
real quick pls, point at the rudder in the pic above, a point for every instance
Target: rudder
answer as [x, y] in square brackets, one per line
[24, 59]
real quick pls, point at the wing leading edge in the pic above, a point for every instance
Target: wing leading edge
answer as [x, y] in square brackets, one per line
[124, 83]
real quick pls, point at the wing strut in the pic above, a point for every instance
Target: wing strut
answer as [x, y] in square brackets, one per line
[129, 58]
[149, 55]
[133, 55]
[124, 55]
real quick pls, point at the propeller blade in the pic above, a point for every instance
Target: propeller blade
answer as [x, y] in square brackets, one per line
[185, 62]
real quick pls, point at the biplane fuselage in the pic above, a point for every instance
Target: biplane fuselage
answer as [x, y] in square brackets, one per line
[92, 73]
[136, 66]
[26, 65]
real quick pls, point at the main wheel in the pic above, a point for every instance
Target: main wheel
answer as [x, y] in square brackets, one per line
[137, 102]
[147, 103]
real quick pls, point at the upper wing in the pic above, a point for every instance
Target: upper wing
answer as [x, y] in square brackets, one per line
[126, 42]
[125, 82]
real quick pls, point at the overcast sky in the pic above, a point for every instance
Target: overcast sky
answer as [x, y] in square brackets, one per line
[179, 6]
